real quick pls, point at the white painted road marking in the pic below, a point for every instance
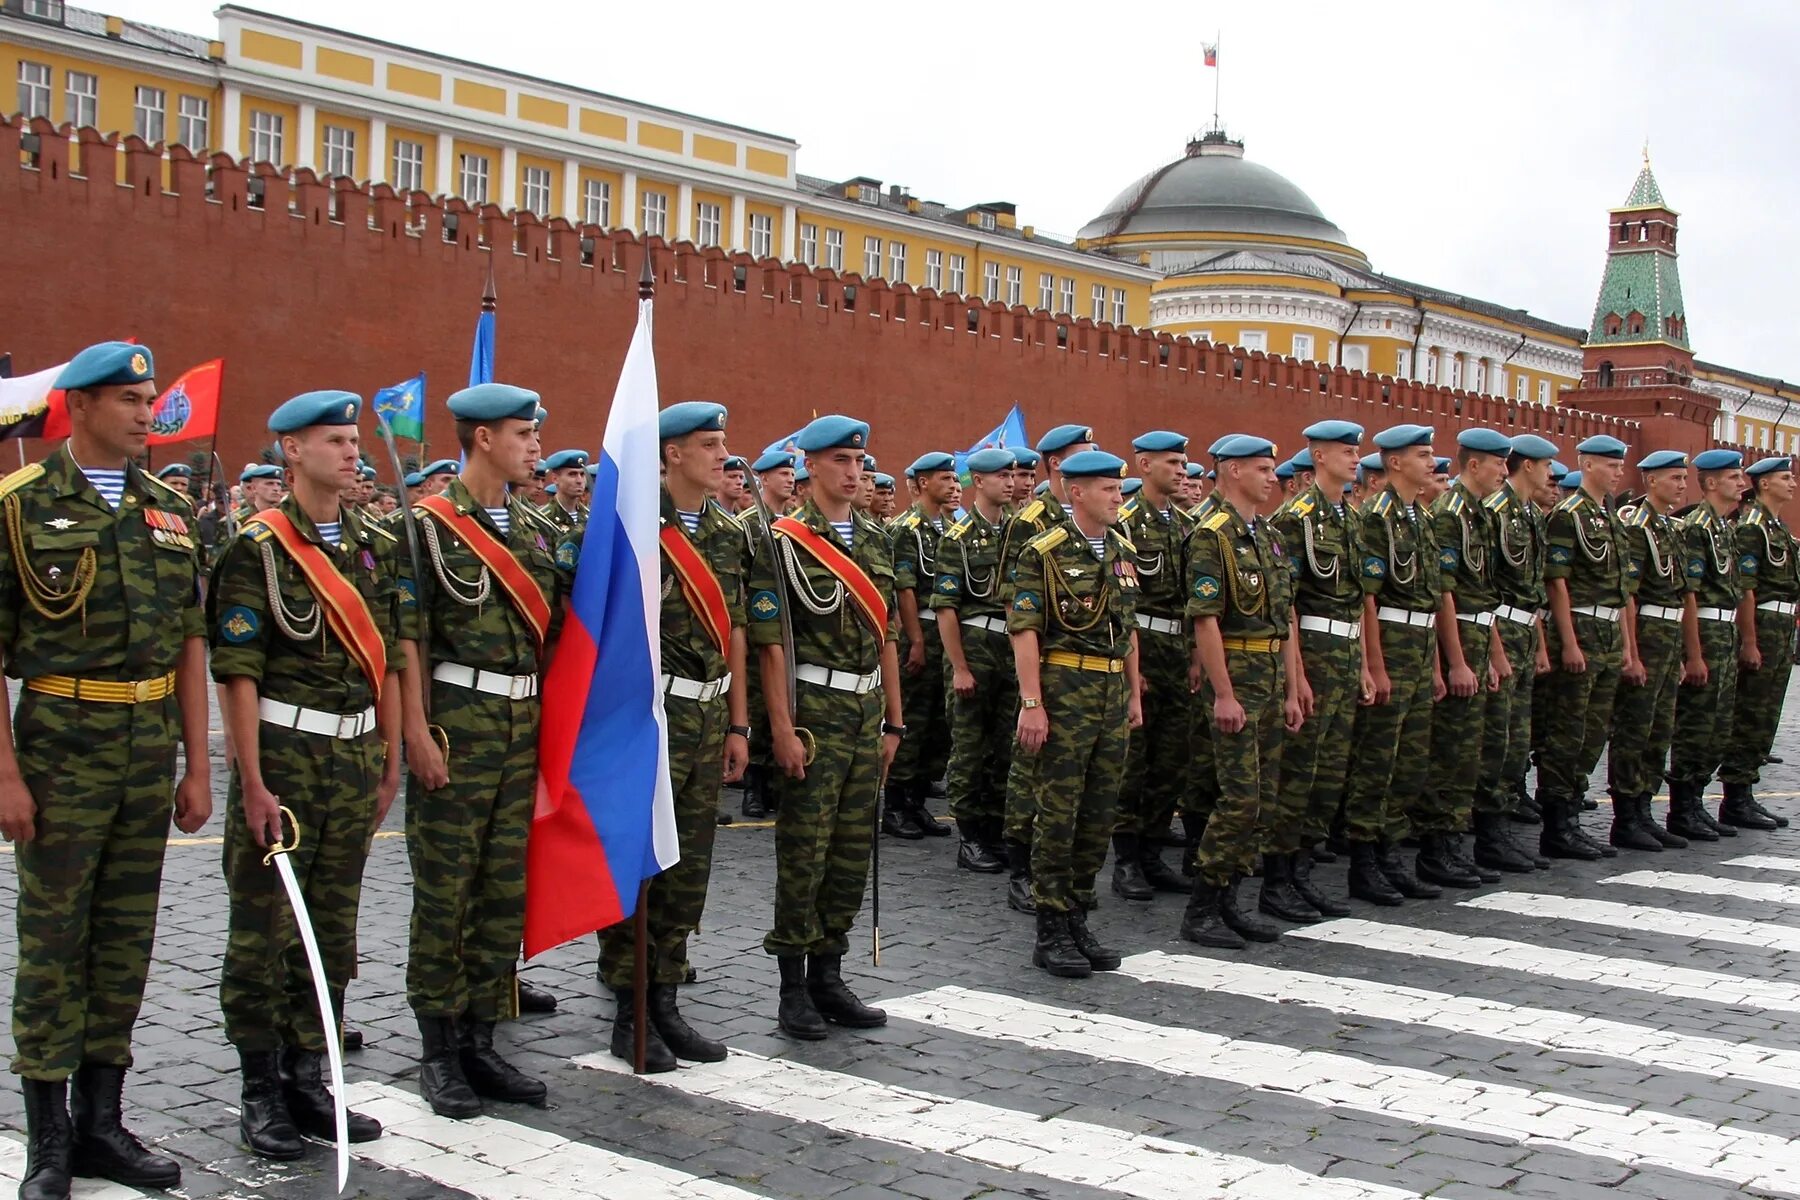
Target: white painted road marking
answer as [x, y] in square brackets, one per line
[1764, 862]
[1707, 885]
[1643, 919]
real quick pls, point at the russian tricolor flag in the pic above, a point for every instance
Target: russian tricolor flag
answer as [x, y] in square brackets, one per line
[605, 818]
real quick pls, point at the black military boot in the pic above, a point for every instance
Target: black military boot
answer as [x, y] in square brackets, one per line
[1018, 888]
[1367, 880]
[104, 1148]
[267, 1127]
[1435, 864]
[797, 1016]
[1277, 896]
[1494, 845]
[897, 818]
[311, 1104]
[351, 1040]
[532, 999]
[833, 998]
[50, 1140]
[755, 805]
[1244, 922]
[687, 1042]
[658, 1057]
[1128, 880]
[928, 825]
[489, 1073]
[1387, 856]
[1055, 950]
[1756, 806]
[1321, 853]
[1202, 922]
[1562, 836]
[1524, 807]
[1630, 830]
[976, 852]
[441, 1080]
[1647, 819]
[1098, 954]
[1300, 865]
[1458, 852]
[1158, 874]
[1739, 808]
[1687, 819]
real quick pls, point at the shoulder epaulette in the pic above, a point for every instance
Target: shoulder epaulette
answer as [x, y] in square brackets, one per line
[19, 478]
[1569, 503]
[866, 520]
[1700, 514]
[1497, 501]
[1030, 513]
[1124, 539]
[908, 520]
[1049, 540]
[961, 527]
[1752, 517]
[1217, 521]
[1129, 510]
[258, 533]
[1383, 502]
[1636, 514]
[163, 491]
[540, 518]
[1454, 502]
[375, 526]
[1299, 506]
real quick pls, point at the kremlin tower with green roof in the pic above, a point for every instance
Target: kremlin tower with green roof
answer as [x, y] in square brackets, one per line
[1639, 335]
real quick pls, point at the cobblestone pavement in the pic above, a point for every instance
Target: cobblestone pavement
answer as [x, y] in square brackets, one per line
[1622, 1029]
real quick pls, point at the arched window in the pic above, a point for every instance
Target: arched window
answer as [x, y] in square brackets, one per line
[1606, 374]
[1634, 323]
[1613, 324]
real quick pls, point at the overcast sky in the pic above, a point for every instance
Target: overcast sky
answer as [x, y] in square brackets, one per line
[1473, 146]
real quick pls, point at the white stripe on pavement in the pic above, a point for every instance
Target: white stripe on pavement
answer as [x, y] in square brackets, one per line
[492, 1159]
[1660, 1048]
[1708, 885]
[1541, 1118]
[1764, 862]
[1068, 1151]
[1642, 976]
[1641, 918]
[12, 1169]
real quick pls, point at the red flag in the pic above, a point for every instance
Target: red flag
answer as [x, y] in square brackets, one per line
[1211, 52]
[189, 409]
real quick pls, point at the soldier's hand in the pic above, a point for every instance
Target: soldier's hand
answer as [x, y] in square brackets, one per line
[737, 756]
[915, 658]
[1438, 690]
[1034, 729]
[1134, 710]
[1492, 679]
[1228, 714]
[1694, 673]
[385, 791]
[1542, 663]
[1462, 682]
[1196, 677]
[1573, 660]
[425, 758]
[1293, 713]
[18, 811]
[1384, 687]
[1502, 671]
[1634, 672]
[1303, 693]
[790, 754]
[193, 802]
[890, 745]
[262, 814]
[1750, 657]
[963, 682]
[1365, 694]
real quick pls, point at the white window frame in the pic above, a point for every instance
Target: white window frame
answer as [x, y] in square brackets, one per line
[193, 122]
[871, 257]
[762, 235]
[596, 202]
[1046, 291]
[534, 190]
[896, 262]
[1521, 389]
[1097, 302]
[1015, 286]
[1403, 364]
[653, 214]
[709, 223]
[1456, 372]
[868, 193]
[1254, 339]
[473, 171]
[1068, 295]
[268, 131]
[989, 221]
[958, 280]
[1119, 302]
[1303, 347]
[1431, 365]
[834, 249]
[408, 165]
[809, 244]
[150, 112]
[35, 85]
[81, 98]
[934, 270]
[1543, 391]
[1356, 358]
[990, 281]
[46, 10]
[340, 151]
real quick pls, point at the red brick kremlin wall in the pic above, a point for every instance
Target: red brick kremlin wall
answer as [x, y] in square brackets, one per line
[330, 285]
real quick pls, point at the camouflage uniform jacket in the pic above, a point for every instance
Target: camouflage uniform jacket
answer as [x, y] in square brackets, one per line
[1157, 539]
[1465, 532]
[968, 576]
[1710, 548]
[1519, 542]
[1319, 538]
[829, 631]
[1073, 600]
[1654, 562]
[687, 650]
[1237, 573]
[1584, 548]
[1766, 554]
[1400, 564]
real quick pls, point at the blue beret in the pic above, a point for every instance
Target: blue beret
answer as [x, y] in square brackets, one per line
[414, 479]
[772, 460]
[884, 481]
[1303, 459]
[315, 408]
[494, 402]
[1159, 441]
[1062, 437]
[260, 471]
[367, 472]
[108, 364]
[1212, 474]
[869, 462]
[737, 462]
[1440, 466]
[537, 472]
[1217, 442]
[187, 472]
[1131, 486]
[690, 416]
[1662, 460]
[1025, 456]
[1530, 445]
[443, 466]
[1285, 470]
[1093, 464]
[550, 489]
[1766, 466]
[801, 474]
[936, 460]
[542, 415]
[1401, 437]
[986, 462]
[1484, 441]
[1370, 462]
[1196, 471]
[1717, 460]
[1042, 487]
[1558, 468]
[832, 433]
[1348, 432]
[1245, 445]
[1571, 481]
[562, 460]
[593, 470]
[1602, 446]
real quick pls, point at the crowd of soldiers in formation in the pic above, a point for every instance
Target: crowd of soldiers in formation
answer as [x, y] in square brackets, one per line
[1348, 653]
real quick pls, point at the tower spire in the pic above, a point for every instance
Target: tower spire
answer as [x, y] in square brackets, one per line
[1639, 334]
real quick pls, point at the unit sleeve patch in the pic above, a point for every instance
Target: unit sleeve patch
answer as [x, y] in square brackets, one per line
[764, 606]
[238, 624]
[1374, 568]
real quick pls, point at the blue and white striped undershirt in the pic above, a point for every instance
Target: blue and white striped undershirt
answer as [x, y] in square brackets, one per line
[110, 484]
[846, 531]
[502, 518]
[691, 520]
[1099, 545]
[331, 532]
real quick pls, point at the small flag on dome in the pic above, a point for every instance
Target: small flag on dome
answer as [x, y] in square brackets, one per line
[1211, 50]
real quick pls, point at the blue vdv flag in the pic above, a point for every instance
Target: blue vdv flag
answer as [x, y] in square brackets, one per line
[1007, 435]
[403, 405]
[481, 358]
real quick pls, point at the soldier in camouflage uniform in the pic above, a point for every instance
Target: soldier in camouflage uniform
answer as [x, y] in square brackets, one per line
[566, 472]
[1588, 642]
[1157, 764]
[1704, 703]
[1643, 717]
[1240, 599]
[486, 617]
[1766, 629]
[100, 617]
[1075, 650]
[1391, 742]
[704, 698]
[301, 697]
[1034, 515]
[922, 754]
[1318, 530]
[774, 481]
[834, 580]
[984, 694]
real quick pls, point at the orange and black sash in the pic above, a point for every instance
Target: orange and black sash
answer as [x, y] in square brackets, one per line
[862, 589]
[699, 585]
[521, 588]
[345, 609]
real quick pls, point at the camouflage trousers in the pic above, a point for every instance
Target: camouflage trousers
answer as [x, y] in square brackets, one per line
[1316, 758]
[1703, 714]
[825, 829]
[677, 896]
[102, 776]
[982, 726]
[1202, 772]
[466, 842]
[1074, 783]
[1458, 731]
[1390, 747]
[265, 984]
[925, 749]
[1643, 718]
[1506, 730]
[1248, 763]
[1157, 761]
[1760, 693]
[1576, 709]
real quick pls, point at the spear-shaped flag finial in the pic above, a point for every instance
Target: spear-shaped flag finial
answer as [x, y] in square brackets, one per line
[646, 277]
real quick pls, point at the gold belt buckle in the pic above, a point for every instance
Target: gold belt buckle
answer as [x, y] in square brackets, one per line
[140, 691]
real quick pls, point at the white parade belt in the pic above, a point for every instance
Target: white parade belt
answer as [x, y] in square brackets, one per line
[840, 681]
[1403, 616]
[1785, 607]
[695, 689]
[311, 720]
[494, 683]
[1725, 615]
[1341, 629]
[1598, 611]
[1518, 616]
[1167, 625]
[991, 624]
[1483, 619]
[1659, 612]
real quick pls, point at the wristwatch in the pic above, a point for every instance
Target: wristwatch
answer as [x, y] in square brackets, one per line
[742, 731]
[898, 731]
[1030, 702]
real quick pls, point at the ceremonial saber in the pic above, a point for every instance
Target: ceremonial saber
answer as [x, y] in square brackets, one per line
[875, 869]
[334, 1050]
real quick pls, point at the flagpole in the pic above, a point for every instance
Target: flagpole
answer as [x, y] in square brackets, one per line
[640, 924]
[1217, 70]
